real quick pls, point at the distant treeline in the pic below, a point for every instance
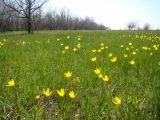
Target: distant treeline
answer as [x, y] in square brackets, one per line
[62, 20]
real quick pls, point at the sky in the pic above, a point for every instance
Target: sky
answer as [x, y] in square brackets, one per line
[115, 14]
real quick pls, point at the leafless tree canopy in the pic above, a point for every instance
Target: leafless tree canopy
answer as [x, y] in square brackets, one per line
[131, 26]
[146, 27]
[52, 20]
[24, 9]
[28, 15]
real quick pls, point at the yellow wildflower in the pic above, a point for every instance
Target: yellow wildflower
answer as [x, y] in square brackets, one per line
[79, 45]
[117, 101]
[127, 48]
[79, 38]
[37, 97]
[102, 44]
[145, 48]
[61, 92]
[94, 51]
[68, 74]
[125, 55]
[97, 71]
[105, 78]
[114, 59]
[106, 47]
[93, 59]
[47, 92]
[133, 53]
[11, 83]
[132, 62]
[102, 48]
[110, 55]
[99, 50]
[68, 37]
[150, 53]
[72, 94]
[100, 75]
[66, 47]
[122, 46]
[130, 44]
[74, 49]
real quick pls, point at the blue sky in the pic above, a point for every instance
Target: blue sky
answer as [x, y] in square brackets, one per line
[113, 13]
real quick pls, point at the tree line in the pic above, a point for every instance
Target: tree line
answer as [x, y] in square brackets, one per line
[134, 26]
[17, 15]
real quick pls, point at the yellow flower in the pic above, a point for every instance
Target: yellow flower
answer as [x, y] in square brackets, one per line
[122, 46]
[114, 59]
[127, 48]
[100, 75]
[37, 97]
[47, 92]
[79, 38]
[133, 53]
[68, 37]
[66, 47]
[102, 44]
[93, 59]
[99, 50]
[93, 51]
[151, 54]
[102, 48]
[117, 101]
[74, 49]
[68, 74]
[11, 83]
[106, 47]
[110, 55]
[61, 92]
[105, 78]
[132, 62]
[125, 55]
[79, 45]
[156, 48]
[72, 94]
[145, 48]
[130, 44]
[61, 44]
[97, 71]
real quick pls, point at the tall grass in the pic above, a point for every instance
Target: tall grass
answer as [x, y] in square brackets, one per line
[38, 61]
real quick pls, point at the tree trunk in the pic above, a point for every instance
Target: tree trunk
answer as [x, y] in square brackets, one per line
[29, 19]
[29, 26]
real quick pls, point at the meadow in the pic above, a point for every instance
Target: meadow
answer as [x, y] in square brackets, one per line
[90, 75]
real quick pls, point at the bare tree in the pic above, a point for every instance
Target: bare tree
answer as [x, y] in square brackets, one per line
[52, 20]
[6, 18]
[131, 25]
[146, 27]
[25, 9]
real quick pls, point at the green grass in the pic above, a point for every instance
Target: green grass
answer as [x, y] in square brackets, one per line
[37, 62]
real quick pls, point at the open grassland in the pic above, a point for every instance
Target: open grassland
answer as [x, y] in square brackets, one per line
[91, 75]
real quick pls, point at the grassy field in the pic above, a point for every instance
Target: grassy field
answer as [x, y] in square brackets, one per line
[104, 75]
